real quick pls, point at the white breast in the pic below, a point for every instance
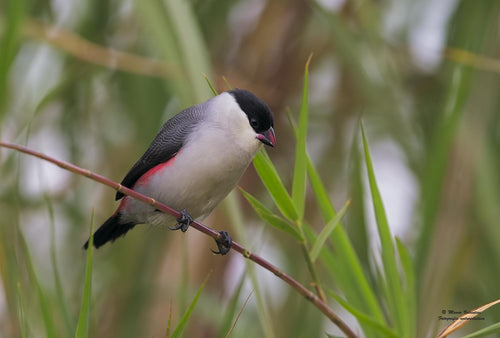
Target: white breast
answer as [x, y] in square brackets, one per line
[208, 167]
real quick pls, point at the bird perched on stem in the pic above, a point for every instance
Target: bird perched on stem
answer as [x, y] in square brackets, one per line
[195, 160]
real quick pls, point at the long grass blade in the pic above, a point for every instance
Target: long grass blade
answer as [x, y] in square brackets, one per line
[232, 308]
[212, 88]
[9, 43]
[238, 315]
[487, 331]
[274, 220]
[57, 278]
[82, 329]
[326, 232]
[182, 324]
[178, 39]
[396, 301]
[410, 286]
[299, 172]
[363, 317]
[437, 160]
[169, 321]
[345, 266]
[22, 314]
[269, 176]
[262, 302]
[44, 301]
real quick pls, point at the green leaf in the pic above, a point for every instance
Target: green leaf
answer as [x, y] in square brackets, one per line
[69, 322]
[325, 205]
[178, 39]
[212, 88]
[299, 172]
[263, 309]
[363, 317]
[344, 266]
[325, 233]
[46, 307]
[169, 321]
[228, 85]
[182, 324]
[274, 220]
[82, 329]
[410, 291]
[22, 315]
[232, 308]
[487, 331]
[269, 176]
[436, 162]
[13, 15]
[396, 302]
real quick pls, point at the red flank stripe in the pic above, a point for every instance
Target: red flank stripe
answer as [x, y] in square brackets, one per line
[151, 172]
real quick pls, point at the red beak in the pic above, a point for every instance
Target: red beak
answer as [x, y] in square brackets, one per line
[267, 137]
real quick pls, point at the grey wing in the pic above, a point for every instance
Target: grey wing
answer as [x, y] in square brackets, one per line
[167, 143]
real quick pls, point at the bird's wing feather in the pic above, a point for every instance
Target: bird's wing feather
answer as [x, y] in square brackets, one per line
[169, 140]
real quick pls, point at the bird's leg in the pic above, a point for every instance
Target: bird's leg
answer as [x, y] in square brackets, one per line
[224, 243]
[183, 222]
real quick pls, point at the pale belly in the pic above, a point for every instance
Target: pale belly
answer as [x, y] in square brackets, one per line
[197, 183]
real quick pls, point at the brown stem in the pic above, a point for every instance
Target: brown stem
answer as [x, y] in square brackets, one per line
[85, 50]
[321, 305]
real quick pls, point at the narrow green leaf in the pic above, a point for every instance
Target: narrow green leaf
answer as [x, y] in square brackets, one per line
[363, 317]
[57, 279]
[44, 301]
[212, 88]
[82, 329]
[263, 309]
[182, 324]
[169, 321]
[232, 308]
[178, 40]
[434, 173]
[228, 85]
[22, 315]
[13, 15]
[344, 266]
[410, 290]
[269, 176]
[325, 206]
[487, 331]
[299, 173]
[396, 301]
[325, 233]
[274, 220]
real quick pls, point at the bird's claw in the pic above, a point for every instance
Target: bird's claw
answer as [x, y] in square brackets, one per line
[183, 222]
[224, 243]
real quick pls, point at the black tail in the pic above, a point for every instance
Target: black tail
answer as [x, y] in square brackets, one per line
[110, 230]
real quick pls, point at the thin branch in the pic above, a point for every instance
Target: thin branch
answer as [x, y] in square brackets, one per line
[321, 305]
[85, 50]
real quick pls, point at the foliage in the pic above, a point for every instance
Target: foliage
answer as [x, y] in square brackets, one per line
[95, 90]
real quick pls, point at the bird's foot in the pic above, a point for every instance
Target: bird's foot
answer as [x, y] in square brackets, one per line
[183, 222]
[224, 243]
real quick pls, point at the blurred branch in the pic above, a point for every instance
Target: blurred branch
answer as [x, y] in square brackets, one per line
[87, 51]
[471, 59]
[310, 296]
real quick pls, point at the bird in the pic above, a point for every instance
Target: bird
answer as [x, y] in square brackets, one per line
[195, 160]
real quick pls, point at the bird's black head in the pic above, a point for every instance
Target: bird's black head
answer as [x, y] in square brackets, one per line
[259, 115]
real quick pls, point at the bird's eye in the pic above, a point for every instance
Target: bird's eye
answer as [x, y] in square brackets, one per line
[254, 123]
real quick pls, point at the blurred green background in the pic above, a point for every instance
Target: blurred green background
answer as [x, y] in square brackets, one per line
[91, 82]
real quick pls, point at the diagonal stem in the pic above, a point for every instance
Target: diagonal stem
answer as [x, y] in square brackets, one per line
[320, 304]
